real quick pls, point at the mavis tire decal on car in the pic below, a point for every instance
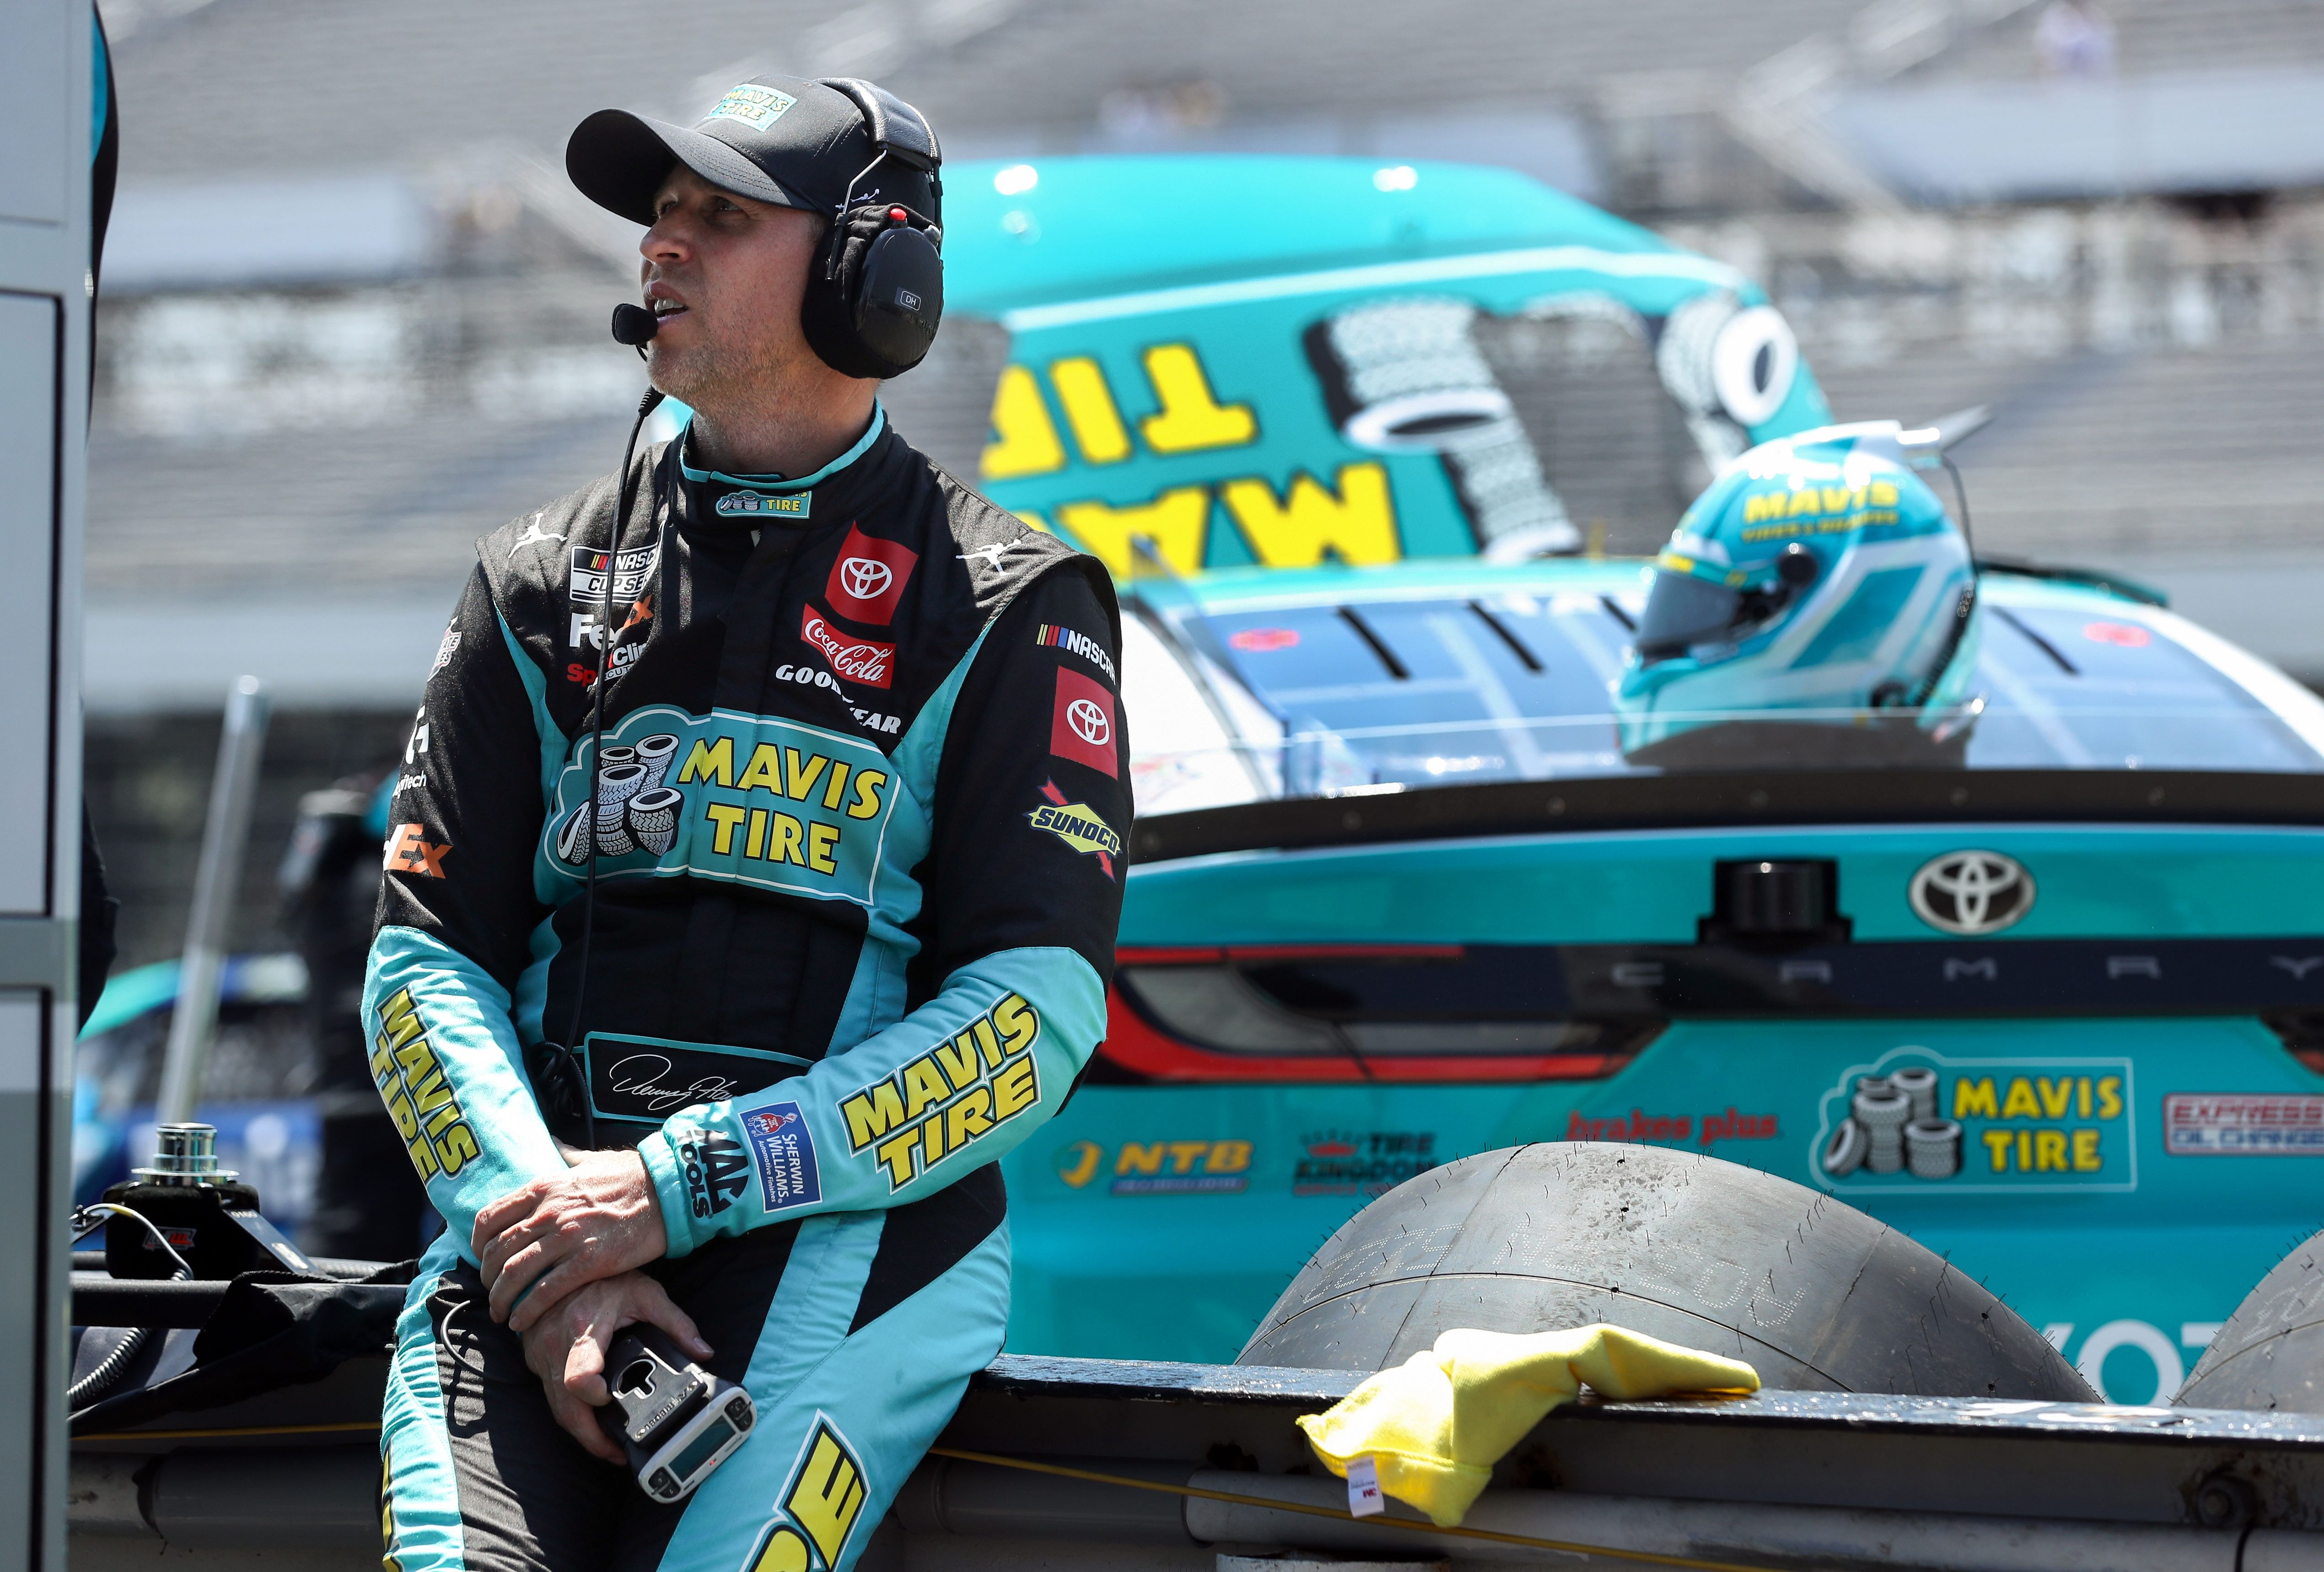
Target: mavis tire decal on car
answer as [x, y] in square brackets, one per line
[1977, 1125]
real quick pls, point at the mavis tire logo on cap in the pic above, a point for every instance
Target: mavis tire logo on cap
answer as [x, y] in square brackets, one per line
[869, 577]
[1971, 892]
[864, 660]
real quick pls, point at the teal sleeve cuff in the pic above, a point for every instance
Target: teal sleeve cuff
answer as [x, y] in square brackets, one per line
[669, 1189]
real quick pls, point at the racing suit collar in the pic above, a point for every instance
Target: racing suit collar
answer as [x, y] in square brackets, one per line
[776, 484]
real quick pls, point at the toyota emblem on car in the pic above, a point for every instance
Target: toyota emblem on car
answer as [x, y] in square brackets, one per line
[1971, 892]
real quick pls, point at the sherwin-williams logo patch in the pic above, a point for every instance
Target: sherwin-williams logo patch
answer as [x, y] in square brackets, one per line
[865, 661]
[755, 105]
[782, 1149]
[750, 504]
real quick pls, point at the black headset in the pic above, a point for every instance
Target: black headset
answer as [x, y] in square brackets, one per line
[873, 301]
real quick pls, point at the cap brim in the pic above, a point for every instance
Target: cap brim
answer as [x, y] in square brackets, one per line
[619, 161]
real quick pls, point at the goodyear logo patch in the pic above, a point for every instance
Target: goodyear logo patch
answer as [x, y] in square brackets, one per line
[751, 504]
[783, 1151]
[950, 1096]
[747, 800]
[1818, 509]
[822, 1503]
[755, 105]
[419, 1099]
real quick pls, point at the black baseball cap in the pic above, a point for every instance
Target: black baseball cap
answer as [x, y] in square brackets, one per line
[783, 140]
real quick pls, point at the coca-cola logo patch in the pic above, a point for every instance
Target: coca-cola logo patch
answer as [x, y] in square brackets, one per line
[865, 661]
[869, 577]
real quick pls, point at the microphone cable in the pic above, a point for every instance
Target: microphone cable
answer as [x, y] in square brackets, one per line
[605, 639]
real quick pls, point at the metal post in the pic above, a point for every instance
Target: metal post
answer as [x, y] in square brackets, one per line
[233, 791]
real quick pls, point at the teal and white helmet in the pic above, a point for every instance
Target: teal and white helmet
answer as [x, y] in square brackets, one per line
[1815, 606]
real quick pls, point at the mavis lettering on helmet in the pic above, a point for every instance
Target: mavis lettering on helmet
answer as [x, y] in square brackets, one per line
[868, 578]
[865, 661]
[1054, 636]
[1818, 509]
[419, 1099]
[950, 1096]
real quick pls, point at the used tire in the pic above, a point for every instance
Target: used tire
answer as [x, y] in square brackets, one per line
[2269, 1356]
[1708, 1254]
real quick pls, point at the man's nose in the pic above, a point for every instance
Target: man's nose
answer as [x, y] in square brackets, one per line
[664, 243]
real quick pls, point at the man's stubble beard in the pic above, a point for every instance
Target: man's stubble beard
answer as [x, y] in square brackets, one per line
[724, 380]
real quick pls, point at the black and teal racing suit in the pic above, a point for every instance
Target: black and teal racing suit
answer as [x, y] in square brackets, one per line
[858, 834]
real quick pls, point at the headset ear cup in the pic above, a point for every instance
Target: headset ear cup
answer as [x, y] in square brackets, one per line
[870, 339]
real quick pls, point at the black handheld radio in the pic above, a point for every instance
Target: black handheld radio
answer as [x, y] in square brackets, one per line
[675, 1421]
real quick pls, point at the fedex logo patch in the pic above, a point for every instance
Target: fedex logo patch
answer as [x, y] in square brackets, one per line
[869, 577]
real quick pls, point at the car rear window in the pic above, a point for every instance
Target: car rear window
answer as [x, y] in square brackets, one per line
[1322, 695]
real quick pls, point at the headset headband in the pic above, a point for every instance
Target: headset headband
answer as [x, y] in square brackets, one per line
[895, 128]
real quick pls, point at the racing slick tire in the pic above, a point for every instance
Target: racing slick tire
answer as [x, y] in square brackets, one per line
[1707, 1254]
[2269, 1356]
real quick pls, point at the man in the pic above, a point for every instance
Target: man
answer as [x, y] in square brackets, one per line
[854, 833]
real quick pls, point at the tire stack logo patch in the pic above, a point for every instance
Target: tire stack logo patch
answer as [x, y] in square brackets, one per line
[633, 810]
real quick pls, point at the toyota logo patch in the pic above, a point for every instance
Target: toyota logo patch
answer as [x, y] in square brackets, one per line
[1971, 892]
[1089, 723]
[865, 579]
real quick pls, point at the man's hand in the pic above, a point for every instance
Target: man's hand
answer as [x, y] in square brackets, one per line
[555, 1235]
[566, 1342]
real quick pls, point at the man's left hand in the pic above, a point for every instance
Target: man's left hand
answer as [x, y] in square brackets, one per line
[552, 1236]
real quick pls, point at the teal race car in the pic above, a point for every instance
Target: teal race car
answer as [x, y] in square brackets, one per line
[2051, 1002]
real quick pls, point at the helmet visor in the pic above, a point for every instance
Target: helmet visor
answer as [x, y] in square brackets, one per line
[1682, 611]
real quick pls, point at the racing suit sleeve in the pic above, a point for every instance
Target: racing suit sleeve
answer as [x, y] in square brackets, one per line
[1023, 878]
[457, 913]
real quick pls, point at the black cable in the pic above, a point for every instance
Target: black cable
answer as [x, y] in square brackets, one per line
[108, 1370]
[606, 635]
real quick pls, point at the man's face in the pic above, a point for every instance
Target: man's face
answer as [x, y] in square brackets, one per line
[723, 275]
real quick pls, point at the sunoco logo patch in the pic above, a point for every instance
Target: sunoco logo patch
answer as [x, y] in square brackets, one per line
[1078, 826]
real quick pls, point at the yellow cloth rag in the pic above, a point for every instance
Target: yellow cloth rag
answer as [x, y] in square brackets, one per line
[1436, 1425]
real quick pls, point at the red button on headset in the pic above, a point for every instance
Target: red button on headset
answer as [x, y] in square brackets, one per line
[897, 216]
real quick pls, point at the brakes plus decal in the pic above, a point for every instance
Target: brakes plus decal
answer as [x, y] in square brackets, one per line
[1056, 636]
[1082, 726]
[419, 1099]
[822, 1502]
[866, 660]
[950, 1096]
[1917, 1119]
[750, 799]
[782, 1149]
[869, 577]
[1078, 826]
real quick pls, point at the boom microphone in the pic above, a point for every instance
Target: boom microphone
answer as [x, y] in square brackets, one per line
[633, 324]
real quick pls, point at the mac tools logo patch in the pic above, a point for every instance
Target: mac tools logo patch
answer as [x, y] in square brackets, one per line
[865, 661]
[868, 579]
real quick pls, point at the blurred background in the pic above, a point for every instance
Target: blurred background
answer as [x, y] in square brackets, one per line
[354, 315]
